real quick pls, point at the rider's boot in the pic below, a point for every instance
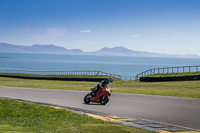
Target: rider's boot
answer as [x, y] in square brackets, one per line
[93, 94]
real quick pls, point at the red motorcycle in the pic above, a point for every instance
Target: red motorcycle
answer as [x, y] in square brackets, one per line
[102, 96]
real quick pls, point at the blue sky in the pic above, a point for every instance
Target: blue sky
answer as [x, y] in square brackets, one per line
[162, 26]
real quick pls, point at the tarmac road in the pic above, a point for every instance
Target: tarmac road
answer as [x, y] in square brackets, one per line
[183, 112]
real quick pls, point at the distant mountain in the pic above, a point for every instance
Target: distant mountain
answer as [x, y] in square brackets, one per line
[116, 50]
[45, 49]
[121, 51]
[52, 49]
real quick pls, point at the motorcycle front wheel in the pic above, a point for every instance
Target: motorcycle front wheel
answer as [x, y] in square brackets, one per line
[87, 98]
[104, 100]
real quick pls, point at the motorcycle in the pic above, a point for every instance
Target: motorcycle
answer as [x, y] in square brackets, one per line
[102, 96]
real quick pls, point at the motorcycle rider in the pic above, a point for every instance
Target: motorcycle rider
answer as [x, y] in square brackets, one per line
[102, 85]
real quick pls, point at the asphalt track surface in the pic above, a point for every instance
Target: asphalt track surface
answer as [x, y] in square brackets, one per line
[184, 112]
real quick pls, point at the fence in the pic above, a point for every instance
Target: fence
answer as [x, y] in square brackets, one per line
[178, 69]
[81, 72]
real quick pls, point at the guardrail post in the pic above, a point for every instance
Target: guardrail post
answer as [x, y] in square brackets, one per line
[136, 77]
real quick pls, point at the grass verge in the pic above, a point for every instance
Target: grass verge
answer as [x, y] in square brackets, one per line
[24, 117]
[190, 89]
[174, 74]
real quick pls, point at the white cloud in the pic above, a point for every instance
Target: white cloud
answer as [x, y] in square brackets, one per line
[51, 32]
[135, 36]
[85, 31]
[55, 31]
[47, 35]
[27, 30]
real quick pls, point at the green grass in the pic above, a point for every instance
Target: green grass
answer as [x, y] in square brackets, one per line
[20, 117]
[21, 74]
[174, 74]
[35, 75]
[189, 89]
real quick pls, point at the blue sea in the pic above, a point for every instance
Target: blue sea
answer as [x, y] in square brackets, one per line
[121, 65]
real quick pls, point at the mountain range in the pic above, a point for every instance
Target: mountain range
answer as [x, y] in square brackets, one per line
[52, 49]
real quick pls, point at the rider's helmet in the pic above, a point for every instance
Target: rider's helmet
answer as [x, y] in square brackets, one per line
[106, 81]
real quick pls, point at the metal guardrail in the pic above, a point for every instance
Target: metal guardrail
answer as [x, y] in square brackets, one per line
[81, 72]
[178, 69]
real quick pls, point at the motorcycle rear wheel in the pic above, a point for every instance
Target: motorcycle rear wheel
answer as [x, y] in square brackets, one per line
[87, 98]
